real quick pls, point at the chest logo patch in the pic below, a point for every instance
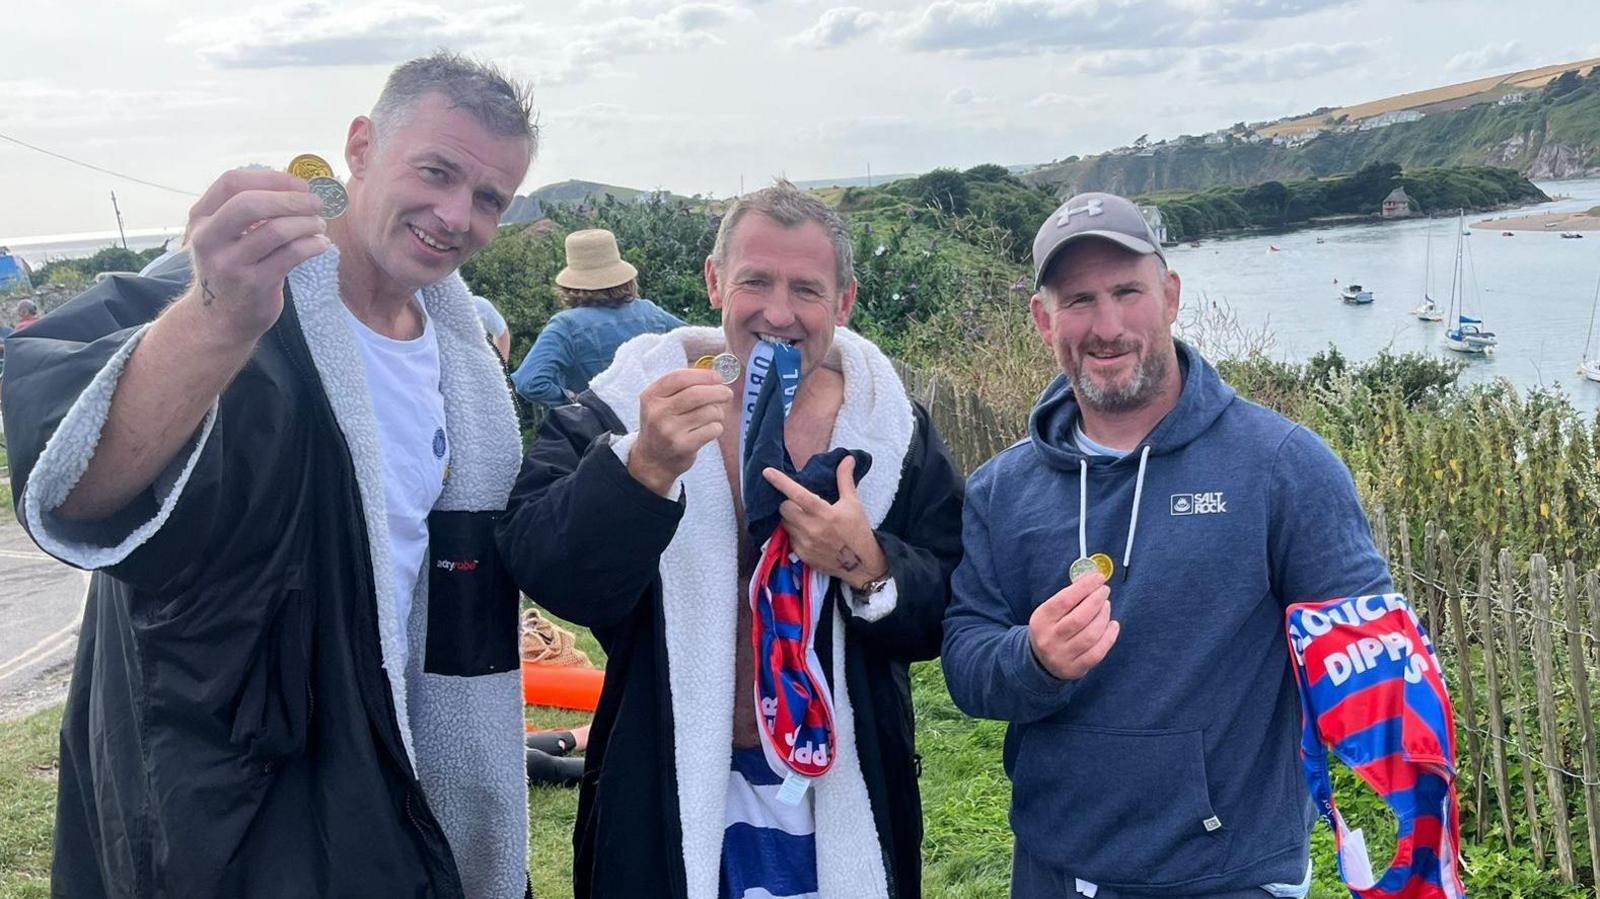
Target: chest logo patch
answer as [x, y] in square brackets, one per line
[1213, 503]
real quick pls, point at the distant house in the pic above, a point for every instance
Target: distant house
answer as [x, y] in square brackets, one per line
[1512, 99]
[1396, 117]
[1216, 137]
[1396, 205]
[1152, 216]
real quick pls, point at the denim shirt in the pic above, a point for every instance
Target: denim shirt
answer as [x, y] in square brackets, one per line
[577, 344]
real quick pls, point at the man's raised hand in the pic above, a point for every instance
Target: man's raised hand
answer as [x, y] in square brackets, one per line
[245, 234]
[679, 413]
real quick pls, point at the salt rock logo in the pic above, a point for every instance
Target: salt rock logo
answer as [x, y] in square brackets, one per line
[1212, 503]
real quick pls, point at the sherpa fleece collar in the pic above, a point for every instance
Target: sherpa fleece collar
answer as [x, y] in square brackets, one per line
[700, 585]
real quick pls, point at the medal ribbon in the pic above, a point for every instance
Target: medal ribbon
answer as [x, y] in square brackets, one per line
[794, 709]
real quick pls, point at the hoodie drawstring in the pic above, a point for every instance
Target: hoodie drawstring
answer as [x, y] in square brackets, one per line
[1133, 518]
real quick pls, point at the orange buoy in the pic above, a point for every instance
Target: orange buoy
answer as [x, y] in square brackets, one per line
[562, 687]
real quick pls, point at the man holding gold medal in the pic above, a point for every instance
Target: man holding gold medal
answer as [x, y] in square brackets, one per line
[297, 671]
[1122, 595]
[759, 526]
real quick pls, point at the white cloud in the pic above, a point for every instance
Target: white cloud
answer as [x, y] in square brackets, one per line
[1014, 27]
[1488, 59]
[1052, 100]
[964, 96]
[593, 50]
[1279, 64]
[33, 106]
[838, 26]
[1117, 63]
[318, 33]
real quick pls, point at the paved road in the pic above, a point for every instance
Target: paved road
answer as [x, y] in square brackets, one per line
[41, 604]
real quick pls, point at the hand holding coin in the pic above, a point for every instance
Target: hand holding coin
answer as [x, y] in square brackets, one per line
[679, 413]
[247, 232]
[1072, 631]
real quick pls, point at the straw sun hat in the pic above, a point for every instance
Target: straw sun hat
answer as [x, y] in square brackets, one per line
[593, 262]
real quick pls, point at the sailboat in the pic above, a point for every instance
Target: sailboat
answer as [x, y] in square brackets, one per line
[1468, 335]
[1428, 311]
[1590, 367]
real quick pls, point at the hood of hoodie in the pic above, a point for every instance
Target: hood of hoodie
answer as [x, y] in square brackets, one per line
[1202, 401]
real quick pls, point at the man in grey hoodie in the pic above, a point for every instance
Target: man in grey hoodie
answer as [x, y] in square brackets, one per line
[1154, 719]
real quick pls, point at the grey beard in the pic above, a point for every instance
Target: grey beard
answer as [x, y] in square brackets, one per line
[1136, 392]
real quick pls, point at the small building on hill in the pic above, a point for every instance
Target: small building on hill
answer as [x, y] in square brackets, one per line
[1152, 216]
[1396, 205]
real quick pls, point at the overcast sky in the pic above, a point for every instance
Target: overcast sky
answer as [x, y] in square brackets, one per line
[693, 96]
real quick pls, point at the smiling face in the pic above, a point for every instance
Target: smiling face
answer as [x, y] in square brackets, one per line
[1107, 313]
[780, 282]
[428, 192]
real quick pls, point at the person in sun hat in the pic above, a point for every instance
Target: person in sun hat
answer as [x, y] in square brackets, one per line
[1122, 595]
[604, 311]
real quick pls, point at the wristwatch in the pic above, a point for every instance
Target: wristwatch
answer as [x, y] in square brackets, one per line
[872, 586]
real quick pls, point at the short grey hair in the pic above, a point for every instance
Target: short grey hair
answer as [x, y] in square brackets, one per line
[790, 207]
[503, 106]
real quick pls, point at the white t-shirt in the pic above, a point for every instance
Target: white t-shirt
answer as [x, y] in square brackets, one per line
[403, 378]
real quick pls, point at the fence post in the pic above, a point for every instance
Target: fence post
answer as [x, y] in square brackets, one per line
[1514, 650]
[1469, 701]
[1497, 719]
[1544, 657]
[1408, 575]
[1430, 570]
[1580, 692]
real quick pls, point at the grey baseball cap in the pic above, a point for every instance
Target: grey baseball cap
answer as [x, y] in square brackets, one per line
[1093, 215]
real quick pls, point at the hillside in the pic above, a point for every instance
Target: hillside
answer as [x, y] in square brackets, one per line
[1281, 205]
[1552, 132]
[532, 206]
[1438, 99]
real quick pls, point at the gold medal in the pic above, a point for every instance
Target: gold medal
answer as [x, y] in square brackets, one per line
[306, 166]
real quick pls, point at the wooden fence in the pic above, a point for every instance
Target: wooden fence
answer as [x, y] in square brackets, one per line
[970, 428]
[1517, 638]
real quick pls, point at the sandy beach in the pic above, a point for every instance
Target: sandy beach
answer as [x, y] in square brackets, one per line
[1552, 221]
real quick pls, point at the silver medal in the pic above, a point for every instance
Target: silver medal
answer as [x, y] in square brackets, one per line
[1081, 567]
[334, 199]
[727, 367]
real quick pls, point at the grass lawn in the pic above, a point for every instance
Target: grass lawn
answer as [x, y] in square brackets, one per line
[5, 488]
[966, 853]
[28, 752]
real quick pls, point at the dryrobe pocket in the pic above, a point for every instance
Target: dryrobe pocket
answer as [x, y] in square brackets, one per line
[472, 601]
[272, 718]
[1118, 807]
